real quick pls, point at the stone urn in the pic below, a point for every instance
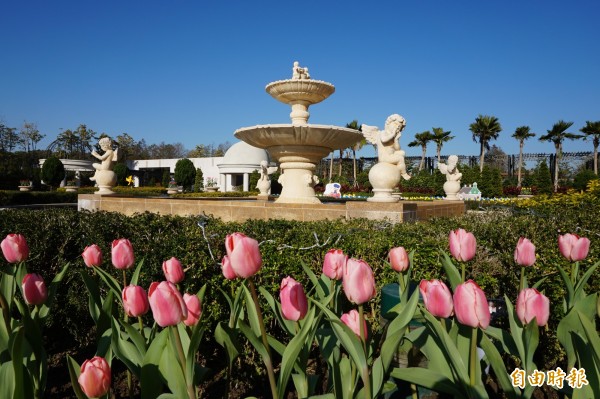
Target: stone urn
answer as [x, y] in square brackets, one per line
[212, 189]
[172, 191]
[384, 177]
[24, 188]
[106, 180]
[451, 188]
[71, 189]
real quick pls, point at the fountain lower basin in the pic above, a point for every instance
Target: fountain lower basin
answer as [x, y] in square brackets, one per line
[298, 149]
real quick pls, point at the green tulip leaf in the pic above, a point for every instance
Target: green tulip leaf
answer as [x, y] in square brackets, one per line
[126, 351]
[255, 341]
[7, 380]
[301, 385]
[588, 361]
[515, 329]
[136, 337]
[579, 292]
[451, 270]
[287, 325]
[171, 368]
[319, 285]
[591, 335]
[168, 396]
[110, 281]
[252, 311]
[74, 372]
[568, 286]
[428, 379]
[152, 381]
[571, 323]
[136, 273]
[504, 338]
[497, 363]
[44, 310]
[94, 299]
[290, 355]
[190, 358]
[227, 338]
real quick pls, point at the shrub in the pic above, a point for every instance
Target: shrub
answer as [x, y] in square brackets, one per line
[122, 172]
[166, 178]
[185, 173]
[543, 179]
[582, 179]
[53, 171]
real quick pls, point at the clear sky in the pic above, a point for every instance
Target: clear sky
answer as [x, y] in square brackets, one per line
[195, 71]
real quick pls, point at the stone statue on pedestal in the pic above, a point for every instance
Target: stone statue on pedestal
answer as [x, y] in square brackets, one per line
[386, 174]
[453, 176]
[264, 183]
[104, 177]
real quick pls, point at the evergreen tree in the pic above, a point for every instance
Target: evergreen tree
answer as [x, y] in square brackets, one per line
[166, 178]
[185, 173]
[122, 172]
[53, 172]
[253, 180]
[542, 179]
[199, 181]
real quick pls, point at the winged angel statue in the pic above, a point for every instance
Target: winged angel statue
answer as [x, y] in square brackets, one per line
[387, 142]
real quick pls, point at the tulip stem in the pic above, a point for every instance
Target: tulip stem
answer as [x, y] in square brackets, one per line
[402, 283]
[473, 356]
[522, 283]
[364, 373]
[189, 384]
[141, 323]
[463, 273]
[124, 279]
[263, 333]
[574, 272]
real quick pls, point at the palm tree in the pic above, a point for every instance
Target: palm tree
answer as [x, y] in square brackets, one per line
[557, 135]
[356, 147]
[484, 129]
[439, 137]
[592, 130]
[422, 139]
[522, 133]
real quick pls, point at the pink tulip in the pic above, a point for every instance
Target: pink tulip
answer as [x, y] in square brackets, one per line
[437, 298]
[173, 270]
[333, 264]
[358, 281]
[398, 258]
[194, 308]
[471, 306]
[294, 304]
[531, 303]
[122, 254]
[525, 252]
[92, 255]
[14, 248]
[462, 245]
[352, 320]
[34, 289]
[94, 379]
[226, 269]
[168, 307]
[135, 301]
[244, 255]
[572, 247]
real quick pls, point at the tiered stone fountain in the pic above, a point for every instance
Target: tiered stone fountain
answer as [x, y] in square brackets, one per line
[299, 146]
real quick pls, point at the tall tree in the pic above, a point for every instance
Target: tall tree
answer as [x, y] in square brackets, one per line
[126, 145]
[521, 133]
[421, 140]
[557, 135]
[29, 136]
[592, 131]
[356, 147]
[8, 138]
[439, 138]
[484, 129]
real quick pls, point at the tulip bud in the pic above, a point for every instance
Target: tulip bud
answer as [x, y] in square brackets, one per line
[244, 255]
[398, 258]
[135, 301]
[122, 254]
[34, 289]
[358, 281]
[437, 298]
[194, 308]
[173, 270]
[226, 269]
[573, 247]
[352, 320]
[294, 304]
[471, 306]
[525, 252]
[333, 264]
[14, 248]
[462, 245]
[94, 379]
[531, 303]
[92, 255]
[168, 307]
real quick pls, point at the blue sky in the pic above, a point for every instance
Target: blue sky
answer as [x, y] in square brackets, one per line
[195, 71]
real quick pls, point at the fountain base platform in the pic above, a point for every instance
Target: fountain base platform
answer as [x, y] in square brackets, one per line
[239, 210]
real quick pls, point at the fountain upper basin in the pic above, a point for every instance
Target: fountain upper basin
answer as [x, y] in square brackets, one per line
[293, 90]
[326, 136]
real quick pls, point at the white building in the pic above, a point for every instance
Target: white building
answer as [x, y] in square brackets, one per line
[240, 160]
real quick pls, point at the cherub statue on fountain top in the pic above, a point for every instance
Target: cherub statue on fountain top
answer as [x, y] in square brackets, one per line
[387, 142]
[299, 72]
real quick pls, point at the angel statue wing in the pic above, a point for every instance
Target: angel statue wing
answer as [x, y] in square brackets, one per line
[443, 168]
[370, 133]
[115, 157]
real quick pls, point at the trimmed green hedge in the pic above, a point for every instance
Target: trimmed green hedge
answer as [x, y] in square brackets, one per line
[10, 197]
